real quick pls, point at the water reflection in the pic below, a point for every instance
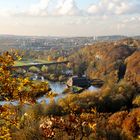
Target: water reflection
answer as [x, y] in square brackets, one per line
[9, 102]
[56, 87]
[92, 88]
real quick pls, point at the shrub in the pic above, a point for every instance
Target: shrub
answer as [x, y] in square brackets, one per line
[44, 69]
[136, 101]
[28, 133]
[131, 124]
[34, 69]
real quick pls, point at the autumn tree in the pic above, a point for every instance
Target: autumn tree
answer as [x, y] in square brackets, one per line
[13, 87]
[50, 58]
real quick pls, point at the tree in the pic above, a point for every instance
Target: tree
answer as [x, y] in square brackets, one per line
[82, 68]
[18, 88]
[50, 58]
[9, 86]
[60, 59]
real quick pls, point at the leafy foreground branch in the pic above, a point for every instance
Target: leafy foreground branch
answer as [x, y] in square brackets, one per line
[17, 88]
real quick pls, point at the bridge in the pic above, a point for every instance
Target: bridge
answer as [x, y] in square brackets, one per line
[39, 65]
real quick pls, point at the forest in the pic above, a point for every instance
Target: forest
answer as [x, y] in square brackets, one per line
[110, 113]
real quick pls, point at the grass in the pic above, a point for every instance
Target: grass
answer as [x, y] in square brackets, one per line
[28, 62]
[76, 89]
[20, 63]
[41, 61]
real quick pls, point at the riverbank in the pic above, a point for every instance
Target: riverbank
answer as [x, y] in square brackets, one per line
[56, 89]
[29, 92]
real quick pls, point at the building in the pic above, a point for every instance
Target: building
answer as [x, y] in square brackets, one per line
[79, 82]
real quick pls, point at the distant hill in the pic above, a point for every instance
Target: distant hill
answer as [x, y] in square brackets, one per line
[42, 42]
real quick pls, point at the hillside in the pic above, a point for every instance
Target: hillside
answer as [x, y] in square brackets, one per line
[133, 68]
[108, 60]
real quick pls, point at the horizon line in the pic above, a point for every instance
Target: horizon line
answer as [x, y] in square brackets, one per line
[69, 36]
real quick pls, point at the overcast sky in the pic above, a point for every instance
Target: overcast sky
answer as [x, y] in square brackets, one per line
[70, 17]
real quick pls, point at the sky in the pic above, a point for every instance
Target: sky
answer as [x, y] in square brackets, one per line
[70, 17]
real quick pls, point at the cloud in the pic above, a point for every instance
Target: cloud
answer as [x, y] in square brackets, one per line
[131, 19]
[67, 7]
[114, 7]
[39, 9]
[54, 8]
[103, 8]
[3, 13]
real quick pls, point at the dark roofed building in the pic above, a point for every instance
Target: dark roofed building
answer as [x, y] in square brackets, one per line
[79, 82]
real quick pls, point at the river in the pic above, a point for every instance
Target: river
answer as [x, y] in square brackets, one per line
[56, 87]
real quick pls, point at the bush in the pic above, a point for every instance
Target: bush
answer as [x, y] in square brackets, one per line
[54, 109]
[131, 124]
[136, 101]
[34, 69]
[44, 69]
[28, 133]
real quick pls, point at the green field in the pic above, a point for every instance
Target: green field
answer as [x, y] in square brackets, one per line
[20, 63]
[28, 62]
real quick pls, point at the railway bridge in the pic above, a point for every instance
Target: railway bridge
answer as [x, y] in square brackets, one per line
[40, 65]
